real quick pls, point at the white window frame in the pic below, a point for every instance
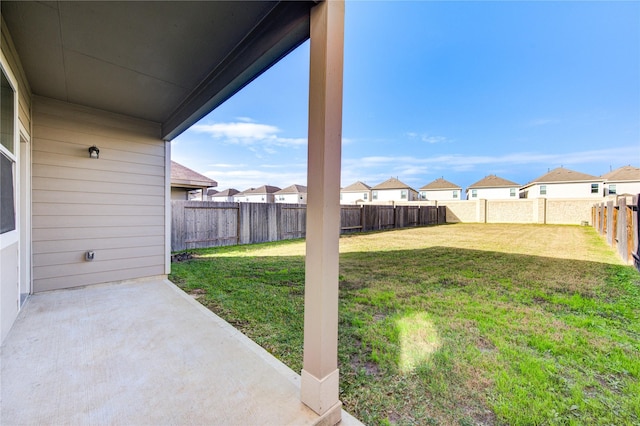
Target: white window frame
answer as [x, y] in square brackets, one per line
[512, 192]
[612, 189]
[11, 237]
[596, 187]
[543, 189]
[474, 193]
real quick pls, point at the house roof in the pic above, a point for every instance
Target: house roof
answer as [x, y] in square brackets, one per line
[493, 181]
[264, 189]
[227, 193]
[440, 183]
[356, 187]
[293, 189]
[560, 175]
[184, 177]
[211, 192]
[392, 183]
[624, 173]
[170, 62]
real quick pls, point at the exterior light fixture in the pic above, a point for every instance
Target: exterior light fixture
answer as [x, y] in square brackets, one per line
[94, 152]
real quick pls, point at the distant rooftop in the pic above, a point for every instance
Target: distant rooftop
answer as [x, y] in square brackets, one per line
[293, 189]
[493, 181]
[561, 174]
[392, 183]
[440, 183]
[182, 176]
[356, 187]
[623, 173]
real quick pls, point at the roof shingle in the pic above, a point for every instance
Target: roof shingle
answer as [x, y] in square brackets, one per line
[561, 174]
[293, 189]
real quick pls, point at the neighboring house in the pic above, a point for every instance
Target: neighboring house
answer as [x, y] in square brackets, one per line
[92, 94]
[564, 183]
[356, 193]
[441, 189]
[294, 194]
[393, 190]
[187, 184]
[225, 196]
[210, 193]
[493, 187]
[623, 180]
[262, 194]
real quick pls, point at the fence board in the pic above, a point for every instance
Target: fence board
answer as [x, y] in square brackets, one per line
[618, 223]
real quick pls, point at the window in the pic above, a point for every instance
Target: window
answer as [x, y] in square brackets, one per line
[455, 194]
[612, 189]
[365, 195]
[423, 195]
[403, 194]
[543, 189]
[7, 156]
[594, 188]
[512, 192]
[374, 195]
[474, 193]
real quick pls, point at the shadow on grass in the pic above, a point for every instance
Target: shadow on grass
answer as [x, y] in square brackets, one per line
[445, 335]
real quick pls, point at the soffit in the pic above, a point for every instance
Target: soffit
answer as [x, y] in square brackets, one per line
[170, 62]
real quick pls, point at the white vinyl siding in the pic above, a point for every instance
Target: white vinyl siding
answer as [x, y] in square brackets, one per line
[114, 205]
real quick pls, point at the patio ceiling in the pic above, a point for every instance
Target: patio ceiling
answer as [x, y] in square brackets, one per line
[168, 62]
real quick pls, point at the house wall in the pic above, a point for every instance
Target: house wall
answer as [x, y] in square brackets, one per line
[254, 198]
[179, 194]
[441, 194]
[394, 195]
[624, 187]
[222, 199]
[291, 198]
[494, 193]
[114, 205]
[354, 197]
[566, 190]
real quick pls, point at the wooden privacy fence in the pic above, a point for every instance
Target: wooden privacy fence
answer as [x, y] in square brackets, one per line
[199, 224]
[617, 220]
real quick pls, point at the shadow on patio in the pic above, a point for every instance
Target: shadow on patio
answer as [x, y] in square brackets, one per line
[140, 353]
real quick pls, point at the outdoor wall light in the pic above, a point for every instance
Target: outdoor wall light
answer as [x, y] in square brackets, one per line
[94, 152]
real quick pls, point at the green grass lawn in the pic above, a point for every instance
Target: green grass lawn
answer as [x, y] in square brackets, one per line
[457, 324]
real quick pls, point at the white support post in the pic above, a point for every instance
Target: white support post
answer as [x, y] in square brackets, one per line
[319, 388]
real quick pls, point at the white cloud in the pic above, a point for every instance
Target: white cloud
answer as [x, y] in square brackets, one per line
[248, 133]
[425, 137]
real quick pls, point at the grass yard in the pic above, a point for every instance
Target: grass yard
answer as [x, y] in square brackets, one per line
[453, 325]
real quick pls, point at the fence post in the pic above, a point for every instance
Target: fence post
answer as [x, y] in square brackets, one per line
[610, 228]
[622, 228]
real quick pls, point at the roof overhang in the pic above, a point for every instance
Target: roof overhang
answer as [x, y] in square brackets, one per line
[171, 62]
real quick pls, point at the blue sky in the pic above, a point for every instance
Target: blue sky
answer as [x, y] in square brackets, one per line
[457, 90]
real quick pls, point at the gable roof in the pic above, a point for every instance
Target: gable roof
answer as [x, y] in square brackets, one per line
[169, 62]
[227, 193]
[264, 189]
[440, 183]
[211, 192]
[624, 173]
[493, 181]
[392, 183]
[293, 189]
[184, 177]
[560, 175]
[356, 187]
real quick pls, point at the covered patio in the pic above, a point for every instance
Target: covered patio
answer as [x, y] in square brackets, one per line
[141, 353]
[92, 95]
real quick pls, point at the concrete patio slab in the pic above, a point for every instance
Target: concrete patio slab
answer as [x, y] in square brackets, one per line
[140, 353]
